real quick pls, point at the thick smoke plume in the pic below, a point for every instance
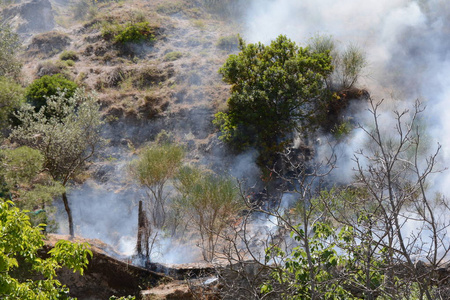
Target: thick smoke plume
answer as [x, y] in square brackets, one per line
[406, 43]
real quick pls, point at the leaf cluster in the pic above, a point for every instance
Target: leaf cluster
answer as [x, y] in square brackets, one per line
[20, 244]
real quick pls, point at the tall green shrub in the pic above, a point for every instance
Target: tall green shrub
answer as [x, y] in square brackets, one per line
[41, 89]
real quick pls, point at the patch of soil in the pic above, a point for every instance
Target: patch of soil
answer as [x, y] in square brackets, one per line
[47, 44]
[105, 276]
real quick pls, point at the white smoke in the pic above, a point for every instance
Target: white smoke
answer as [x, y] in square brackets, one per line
[406, 43]
[407, 46]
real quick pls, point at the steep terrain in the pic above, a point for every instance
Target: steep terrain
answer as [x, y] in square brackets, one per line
[169, 83]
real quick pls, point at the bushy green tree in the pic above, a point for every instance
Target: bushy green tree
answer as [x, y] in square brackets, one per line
[42, 88]
[274, 91]
[68, 137]
[11, 98]
[155, 166]
[25, 182]
[24, 273]
[211, 202]
[9, 46]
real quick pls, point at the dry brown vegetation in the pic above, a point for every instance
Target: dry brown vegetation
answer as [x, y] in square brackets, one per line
[138, 81]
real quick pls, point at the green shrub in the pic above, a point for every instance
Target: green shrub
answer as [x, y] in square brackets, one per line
[40, 89]
[172, 56]
[10, 43]
[229, 43]
[11, 97]
[130, 32]
[68, 55]
[70, 63]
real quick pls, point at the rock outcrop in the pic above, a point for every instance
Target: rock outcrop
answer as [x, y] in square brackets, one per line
[29, 17]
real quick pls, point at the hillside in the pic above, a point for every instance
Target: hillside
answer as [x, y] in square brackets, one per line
[309, 166]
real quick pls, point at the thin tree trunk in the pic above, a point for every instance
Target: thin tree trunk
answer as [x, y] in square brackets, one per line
[141, 229]
[69, 214]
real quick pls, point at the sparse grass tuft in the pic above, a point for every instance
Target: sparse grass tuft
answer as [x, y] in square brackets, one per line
[172, 56]
[228, 43]
[170, 8]
[69, 63]
[50, 68]
[68, 55]
[199, 24]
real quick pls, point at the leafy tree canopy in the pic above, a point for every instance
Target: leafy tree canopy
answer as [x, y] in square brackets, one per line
[20, 263]
[24, 182]
[11, 98]
[274, 91]
[66, 131]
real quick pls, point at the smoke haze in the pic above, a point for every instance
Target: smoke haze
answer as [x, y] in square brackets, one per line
[406, 43]
[407, 47]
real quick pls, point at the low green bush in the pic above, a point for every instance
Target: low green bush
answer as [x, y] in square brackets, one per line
[130, 32]
[68, 55]
[70, 63]
[40, 89]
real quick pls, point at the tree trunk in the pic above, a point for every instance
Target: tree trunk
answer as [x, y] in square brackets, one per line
[69, 214]
[141, 229]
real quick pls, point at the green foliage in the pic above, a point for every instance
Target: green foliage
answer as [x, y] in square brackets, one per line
[122, 298]
[25, 183]
[68, 55]
[348, 63]
[154, 167]
[130, 32]
[70, 63]
[353, 62]
[20, 251]
[157, 164]
[38, 92]
[11, 98]
[20, 165]
[210, 202]
[228, 43]
[342, 130]
[309, 273]
[173, 55]
[275, 90]
[67, 139]
[66, 131]
[9, 46]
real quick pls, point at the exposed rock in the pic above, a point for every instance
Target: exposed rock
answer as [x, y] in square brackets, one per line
[30, 17]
